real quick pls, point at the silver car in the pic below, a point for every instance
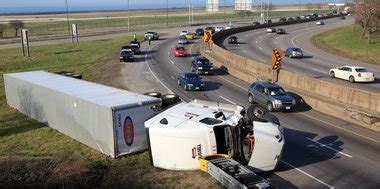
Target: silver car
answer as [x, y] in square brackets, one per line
[271, 96]
[182, 40]
[293, 52]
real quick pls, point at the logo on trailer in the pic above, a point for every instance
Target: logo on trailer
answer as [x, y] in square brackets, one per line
[129, 132]
[193, 152]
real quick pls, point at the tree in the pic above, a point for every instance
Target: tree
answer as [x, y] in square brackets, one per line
[367, 15]
[16, 24]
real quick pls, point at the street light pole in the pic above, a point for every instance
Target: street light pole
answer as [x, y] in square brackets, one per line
[225, 14]
[167, 12]
[68, 21]
[299, 13]
[128, 14]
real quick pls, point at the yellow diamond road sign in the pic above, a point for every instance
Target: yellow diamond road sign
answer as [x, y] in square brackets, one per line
[207, 36]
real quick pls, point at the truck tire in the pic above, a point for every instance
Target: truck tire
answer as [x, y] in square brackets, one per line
[169, 100]
[254, 113]
[153, 94]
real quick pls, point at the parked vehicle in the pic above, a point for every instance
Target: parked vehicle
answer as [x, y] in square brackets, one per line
[200, 128]
[107, 119]
[190, 36]
[201, 65]
[271, 30]
[290, 19]
[267, 21]
[271, 96]
[135, 48]
[293, 52]
[183, 33]
[182, 40]
[179, 51]
[280, 31]
[297, 18]
[190, 81]
[199, 32]
[126, 55]
[151, 35]
[320, 23]
[232, 40]
[282, 19]
[352, 74]
[135, 43]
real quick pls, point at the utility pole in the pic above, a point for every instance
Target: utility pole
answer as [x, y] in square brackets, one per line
[225, 14]
[267, 10]
[68, 21]
[167, 12]
[261, 12]
[299, 13]
[192, 12]
[128, 15]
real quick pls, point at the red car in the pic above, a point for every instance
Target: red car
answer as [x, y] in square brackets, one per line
[180, 51]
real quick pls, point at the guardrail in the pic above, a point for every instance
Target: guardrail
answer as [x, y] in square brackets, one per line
[250, 70]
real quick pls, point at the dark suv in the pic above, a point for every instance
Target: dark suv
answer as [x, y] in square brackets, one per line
[270, 95]
[201, 65]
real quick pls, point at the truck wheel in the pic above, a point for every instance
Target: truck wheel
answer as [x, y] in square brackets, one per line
[254, 113]
[153, 94]
[169, 99]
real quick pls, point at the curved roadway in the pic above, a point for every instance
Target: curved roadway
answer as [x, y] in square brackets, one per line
[258, 45]
[320, 151]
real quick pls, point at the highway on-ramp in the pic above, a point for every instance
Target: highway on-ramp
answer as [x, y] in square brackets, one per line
[258, 45]
[320, 151]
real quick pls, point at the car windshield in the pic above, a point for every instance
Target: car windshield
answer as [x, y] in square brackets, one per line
[296, 49]
[180, 48]
[203, 61]
[277, 91]
[126, 52]
[150, 32]
[361, 70]
[192, 77]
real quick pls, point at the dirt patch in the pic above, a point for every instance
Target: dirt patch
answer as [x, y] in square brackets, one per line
[110, 74]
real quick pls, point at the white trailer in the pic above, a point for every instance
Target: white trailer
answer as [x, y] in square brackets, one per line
[107, 119]
[181, 135]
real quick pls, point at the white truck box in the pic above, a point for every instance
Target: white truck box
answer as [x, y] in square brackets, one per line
[188, 131]
[107, 119]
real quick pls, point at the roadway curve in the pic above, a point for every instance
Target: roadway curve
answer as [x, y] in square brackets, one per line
[320, 152]
[258, 45]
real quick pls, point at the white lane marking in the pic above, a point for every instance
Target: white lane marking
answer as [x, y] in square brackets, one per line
[275, 42]
[324, 145]
[171, 61]
[245, 51]
[173, 78]
[226, 99]
[146, 61]
[256, 41]
[307, 174]
[261, 48]
[318, 70]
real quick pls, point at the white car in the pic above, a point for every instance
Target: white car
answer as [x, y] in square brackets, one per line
[352, 74]
[320, 23]
[219, 28]
[183, 33]
[271, 30]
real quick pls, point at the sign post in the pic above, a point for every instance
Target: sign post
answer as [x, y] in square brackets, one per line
[75, 33]
[25, 43]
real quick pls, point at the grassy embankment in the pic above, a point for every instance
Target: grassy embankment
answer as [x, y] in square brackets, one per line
[33, 154]
[347, 43]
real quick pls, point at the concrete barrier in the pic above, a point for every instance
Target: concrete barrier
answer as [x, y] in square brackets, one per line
[348, 99]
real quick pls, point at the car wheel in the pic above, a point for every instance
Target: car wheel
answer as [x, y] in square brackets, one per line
[270, 107]
[153, 94]
[250, 98]
[254, 113]
[351, 79]
[332, 74]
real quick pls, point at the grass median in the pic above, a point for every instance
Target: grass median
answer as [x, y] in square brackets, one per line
[34, 155]
[348, 43]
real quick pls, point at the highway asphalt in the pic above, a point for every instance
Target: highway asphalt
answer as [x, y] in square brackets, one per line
[258, 45]
[320, 152]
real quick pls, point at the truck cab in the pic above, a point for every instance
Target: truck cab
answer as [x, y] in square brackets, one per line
[181, 135]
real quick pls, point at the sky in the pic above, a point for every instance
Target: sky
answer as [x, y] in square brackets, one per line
[13, 6]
